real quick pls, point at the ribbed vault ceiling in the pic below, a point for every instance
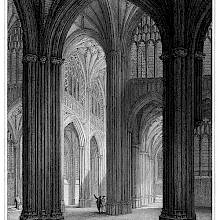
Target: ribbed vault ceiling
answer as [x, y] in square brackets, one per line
[92, 58]
[151, 129]
[95, 17]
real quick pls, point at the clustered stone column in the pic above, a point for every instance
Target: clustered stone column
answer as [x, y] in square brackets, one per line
[18, 170]
[199, 56]
[100, 174]
[136, 194]
[41, 138]
[135, 160]
[165, 138]
[82, 177]
[118, 170]
[178, 123]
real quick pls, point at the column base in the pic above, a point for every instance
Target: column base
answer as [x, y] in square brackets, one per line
[177, 216]
[118, 208]
[136, 203]
[41, 217]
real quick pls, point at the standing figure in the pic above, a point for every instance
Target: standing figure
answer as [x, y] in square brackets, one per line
[103, 209]
[17, 202]
[98, 202]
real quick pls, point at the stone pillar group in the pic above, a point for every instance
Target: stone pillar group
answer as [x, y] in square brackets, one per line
[118, 176]
[42, 176]
[82, 177]
[41, 138]
[178, 195]
[199, 56]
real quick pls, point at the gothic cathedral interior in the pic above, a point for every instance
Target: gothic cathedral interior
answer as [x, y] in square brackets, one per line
[109, 98]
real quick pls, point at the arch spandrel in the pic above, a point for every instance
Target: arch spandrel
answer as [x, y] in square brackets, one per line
[199, 19]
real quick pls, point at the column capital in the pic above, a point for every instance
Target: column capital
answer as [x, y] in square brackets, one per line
[200, 55]
[56, 60]
[165, 56]
[176, 52]
[100, 156]
[43, 59]
[179, 52]
[30, 58]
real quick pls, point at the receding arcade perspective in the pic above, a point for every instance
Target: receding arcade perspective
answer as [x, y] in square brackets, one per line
[109, 102]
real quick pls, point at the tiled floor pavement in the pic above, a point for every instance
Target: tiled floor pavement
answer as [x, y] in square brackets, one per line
[138, 214]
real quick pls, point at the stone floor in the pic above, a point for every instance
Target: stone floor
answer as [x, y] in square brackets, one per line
[91, 213]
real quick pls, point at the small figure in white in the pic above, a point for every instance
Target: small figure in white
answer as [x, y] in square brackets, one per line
[17, 202]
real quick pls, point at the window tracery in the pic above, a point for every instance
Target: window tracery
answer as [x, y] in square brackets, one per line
[74, 82]
[207, 50]
[203, 134]
[97, 102]
[203, 150]
[146, 48]
[71, 163]
[15, 53]
[160, 165]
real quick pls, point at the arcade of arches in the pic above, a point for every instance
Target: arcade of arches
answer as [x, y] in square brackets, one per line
[109, 97]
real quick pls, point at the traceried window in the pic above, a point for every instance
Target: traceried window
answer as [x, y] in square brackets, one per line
[203, 149]
[15, 53]
[207, 50]
[71, 163]
[160, 165]
[146, 49]
[203, 133]
[74, 82]
[96, 107]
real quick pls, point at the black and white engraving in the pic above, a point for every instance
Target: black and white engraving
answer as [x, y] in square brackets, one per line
[109, 109]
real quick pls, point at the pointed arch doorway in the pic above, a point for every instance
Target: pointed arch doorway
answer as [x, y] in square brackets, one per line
[71, 166]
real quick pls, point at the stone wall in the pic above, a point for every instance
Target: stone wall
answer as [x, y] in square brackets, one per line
[203, 192]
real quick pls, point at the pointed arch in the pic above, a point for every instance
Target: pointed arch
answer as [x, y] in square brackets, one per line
[150, 98]
[78, 126]
[98, 135]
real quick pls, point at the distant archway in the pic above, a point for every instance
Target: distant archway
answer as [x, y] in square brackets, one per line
[11, 168]
[71, 166]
